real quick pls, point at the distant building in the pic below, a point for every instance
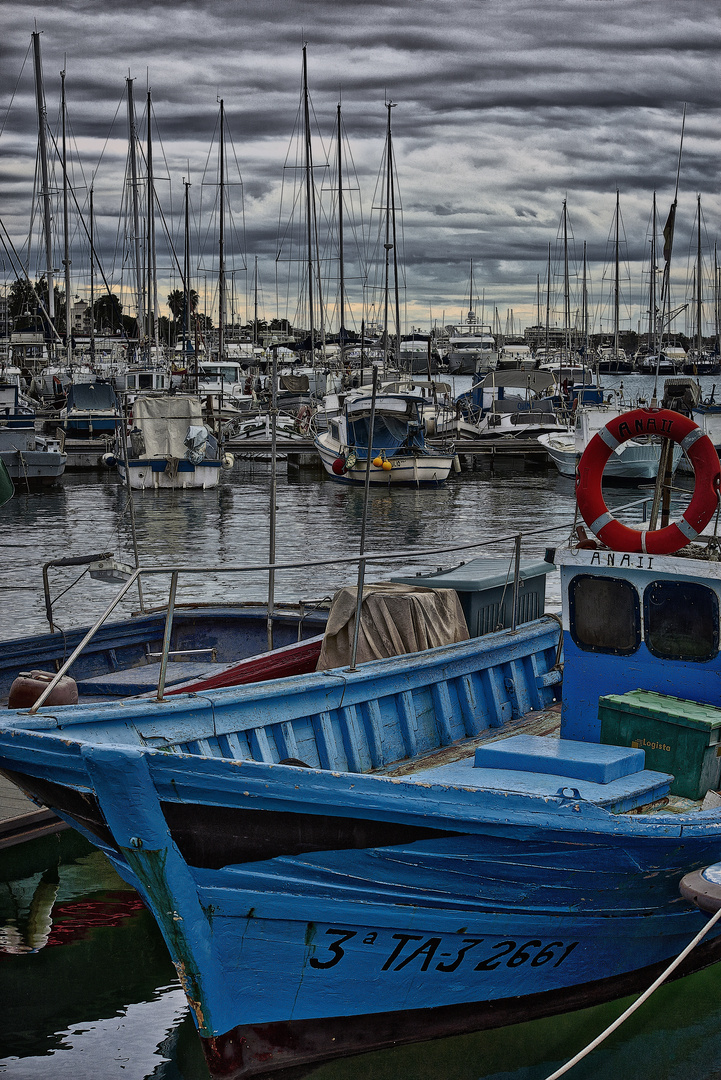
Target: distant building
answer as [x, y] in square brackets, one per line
[81, 317]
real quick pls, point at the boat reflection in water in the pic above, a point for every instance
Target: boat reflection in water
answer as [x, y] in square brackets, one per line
[99, 1000]
[86, 984]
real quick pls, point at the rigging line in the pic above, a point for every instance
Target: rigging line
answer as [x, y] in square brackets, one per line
[12, 99]
[41, 305]
[639, 1001]
[80, 214]
[107, 140]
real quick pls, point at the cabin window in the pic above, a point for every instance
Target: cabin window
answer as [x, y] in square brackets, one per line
[605, 614]
[681, 620]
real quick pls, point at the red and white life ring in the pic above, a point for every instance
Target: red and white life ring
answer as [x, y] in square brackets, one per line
[631, 425]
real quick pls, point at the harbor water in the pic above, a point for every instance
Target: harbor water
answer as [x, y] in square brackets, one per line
[87, 989]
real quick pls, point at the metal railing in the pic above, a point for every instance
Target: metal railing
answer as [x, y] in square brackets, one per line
[362, 560]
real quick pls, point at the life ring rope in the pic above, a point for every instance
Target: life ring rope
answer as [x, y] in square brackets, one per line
[704, 502]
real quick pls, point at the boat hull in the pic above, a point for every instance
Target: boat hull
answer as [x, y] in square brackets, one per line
[258, 1049]
[157, 473]
[420, 468]
[633, 462]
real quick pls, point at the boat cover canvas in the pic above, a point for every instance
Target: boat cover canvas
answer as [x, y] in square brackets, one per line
[534, 380]
[395, 619]
[92, 397]
[164, 422]
[296, 384]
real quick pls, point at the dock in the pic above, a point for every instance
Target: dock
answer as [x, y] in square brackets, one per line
[302, 451]
[21, 819]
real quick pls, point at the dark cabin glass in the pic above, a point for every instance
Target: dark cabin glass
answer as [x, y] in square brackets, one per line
[605, 614]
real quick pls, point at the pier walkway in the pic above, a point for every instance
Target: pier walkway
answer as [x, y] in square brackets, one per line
[21, 819]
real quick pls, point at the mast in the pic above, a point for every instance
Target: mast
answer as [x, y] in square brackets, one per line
[132, 137]
[548, 298]
[585, 308]
[186, 270]
[43, 149]
[341, 274]
[92, 282]
[309, 199]
[221, 242]
[66, 227]
[717, 324]
[390, 245]
[255, 303]
[616, 286]
[152, 260]
[471, 313]
[699, 336]
[397, 351]
[566, 285]
[652, 283]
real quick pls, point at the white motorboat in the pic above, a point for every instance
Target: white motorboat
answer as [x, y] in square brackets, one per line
[632, 461]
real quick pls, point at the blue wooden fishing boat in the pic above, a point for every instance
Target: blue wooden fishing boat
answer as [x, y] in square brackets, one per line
[405, 848]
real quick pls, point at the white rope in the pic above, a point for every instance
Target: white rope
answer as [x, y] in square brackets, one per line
[639, 1001]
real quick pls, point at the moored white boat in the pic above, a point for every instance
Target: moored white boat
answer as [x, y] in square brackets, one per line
[399, 453]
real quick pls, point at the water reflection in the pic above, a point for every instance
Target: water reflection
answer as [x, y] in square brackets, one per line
[93, 994]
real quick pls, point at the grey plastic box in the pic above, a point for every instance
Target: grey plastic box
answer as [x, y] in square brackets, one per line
[485, 589]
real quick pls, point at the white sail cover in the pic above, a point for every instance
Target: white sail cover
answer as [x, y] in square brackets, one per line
[395, 619]
[164, 423]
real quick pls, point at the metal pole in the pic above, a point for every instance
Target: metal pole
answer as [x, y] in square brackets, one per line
[364, 518]
[131, 504]
[273, 492]
[43, 152]
[516, 580]
[79, 648]
[166, 635]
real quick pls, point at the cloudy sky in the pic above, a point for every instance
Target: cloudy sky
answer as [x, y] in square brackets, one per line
[504, 108]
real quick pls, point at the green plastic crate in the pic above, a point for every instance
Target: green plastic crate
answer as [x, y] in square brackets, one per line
[679, 737]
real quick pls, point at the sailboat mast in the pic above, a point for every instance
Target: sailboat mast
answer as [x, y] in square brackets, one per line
[616, 285]
[585, 305]
[255, 303]
[387, 244]
[397, 351]
[548, 299]
[186, 270]
[699, 337]
[566, 285]
[132, 137]
[152, 260]
[221, 241]
[309, 201]
[470, 299]
[652, 282]
[717, 322]
[92, 282]
[66, 227]
[341, 272]
[43, 149]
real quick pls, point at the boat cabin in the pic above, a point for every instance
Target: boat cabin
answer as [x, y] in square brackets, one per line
[636, 621]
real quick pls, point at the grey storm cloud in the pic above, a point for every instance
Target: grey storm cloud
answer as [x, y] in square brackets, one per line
[504, 108]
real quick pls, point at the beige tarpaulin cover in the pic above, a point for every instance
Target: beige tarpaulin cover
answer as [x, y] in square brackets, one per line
[164, 422]
[395, 619]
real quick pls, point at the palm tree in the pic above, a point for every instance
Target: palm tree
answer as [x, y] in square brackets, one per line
[176, 303]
